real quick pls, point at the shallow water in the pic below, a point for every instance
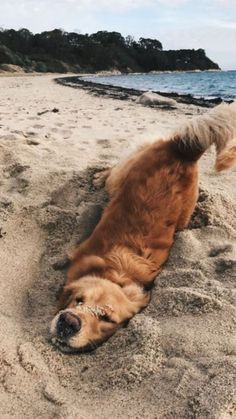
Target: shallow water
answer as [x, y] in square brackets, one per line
[207, 84]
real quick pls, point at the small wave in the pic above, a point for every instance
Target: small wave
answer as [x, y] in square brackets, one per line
[199, 84]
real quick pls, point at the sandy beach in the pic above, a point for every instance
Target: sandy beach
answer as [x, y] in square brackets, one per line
[177, 359]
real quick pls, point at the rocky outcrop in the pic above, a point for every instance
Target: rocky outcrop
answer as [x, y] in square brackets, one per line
[154, 99]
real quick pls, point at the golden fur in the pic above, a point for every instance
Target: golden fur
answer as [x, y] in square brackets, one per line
[152, 195]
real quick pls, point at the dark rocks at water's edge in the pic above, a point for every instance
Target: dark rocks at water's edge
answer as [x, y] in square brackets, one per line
[123, 93]
[59, 51]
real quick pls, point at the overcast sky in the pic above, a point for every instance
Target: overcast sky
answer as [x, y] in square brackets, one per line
[208, 24]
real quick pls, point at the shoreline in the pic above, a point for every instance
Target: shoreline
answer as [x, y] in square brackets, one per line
[125, 93]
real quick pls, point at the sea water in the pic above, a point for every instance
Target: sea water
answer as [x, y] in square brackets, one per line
[207, 84]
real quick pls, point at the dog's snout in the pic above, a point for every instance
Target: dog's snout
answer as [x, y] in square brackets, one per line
[68, 324]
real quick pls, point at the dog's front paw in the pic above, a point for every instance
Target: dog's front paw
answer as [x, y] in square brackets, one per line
[61, 264]
[99, 178]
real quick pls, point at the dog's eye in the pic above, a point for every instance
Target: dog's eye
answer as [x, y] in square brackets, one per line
[79, 300]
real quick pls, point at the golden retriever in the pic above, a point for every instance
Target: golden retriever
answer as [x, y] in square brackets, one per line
[152, 195]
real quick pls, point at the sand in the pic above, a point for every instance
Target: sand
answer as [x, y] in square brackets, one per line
[177, 359]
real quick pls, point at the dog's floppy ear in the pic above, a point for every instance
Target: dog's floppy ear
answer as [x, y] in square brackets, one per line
[64, 298]
[83, 266]
[126, 323]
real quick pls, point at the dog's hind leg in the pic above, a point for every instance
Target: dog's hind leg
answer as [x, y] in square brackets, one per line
[115, 176]
[184, 219]
[100, 178]
[190, 200]
[110, 178]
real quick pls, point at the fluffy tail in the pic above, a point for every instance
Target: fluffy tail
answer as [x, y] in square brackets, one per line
[217, 127]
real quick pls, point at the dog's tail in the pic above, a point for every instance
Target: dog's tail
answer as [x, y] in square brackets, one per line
[217, 127]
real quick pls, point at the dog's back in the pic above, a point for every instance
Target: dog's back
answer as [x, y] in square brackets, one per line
[155, 194]
[156, 198]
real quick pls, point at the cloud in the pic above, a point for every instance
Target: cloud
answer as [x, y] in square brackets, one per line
[83, 5]
[222, 24]
[113, 5]
[91, 6]
[173, 3]
[124, 5]
[225, 3]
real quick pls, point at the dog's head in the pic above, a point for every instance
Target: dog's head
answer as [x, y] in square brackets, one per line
[91, 309]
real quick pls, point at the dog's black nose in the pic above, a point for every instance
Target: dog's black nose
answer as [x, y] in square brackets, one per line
[68, 325]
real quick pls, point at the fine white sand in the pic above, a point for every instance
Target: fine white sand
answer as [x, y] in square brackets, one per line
[177, 359]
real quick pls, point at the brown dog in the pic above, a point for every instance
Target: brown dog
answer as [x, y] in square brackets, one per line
[152, 195]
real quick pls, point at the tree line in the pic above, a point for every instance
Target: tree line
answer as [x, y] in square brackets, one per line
[60, 51]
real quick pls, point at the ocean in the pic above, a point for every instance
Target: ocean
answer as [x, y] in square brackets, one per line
[206, 84]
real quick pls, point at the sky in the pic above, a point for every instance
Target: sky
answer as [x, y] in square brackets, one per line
[207, 24]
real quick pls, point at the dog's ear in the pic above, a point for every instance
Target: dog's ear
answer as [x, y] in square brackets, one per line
[126, 323]
[137, 295]
[64, 298]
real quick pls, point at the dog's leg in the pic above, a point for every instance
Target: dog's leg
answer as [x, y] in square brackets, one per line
[100, 178]
[115, 176]
[114, 180]
[184, 220]
[190, 200]
[110, 178]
